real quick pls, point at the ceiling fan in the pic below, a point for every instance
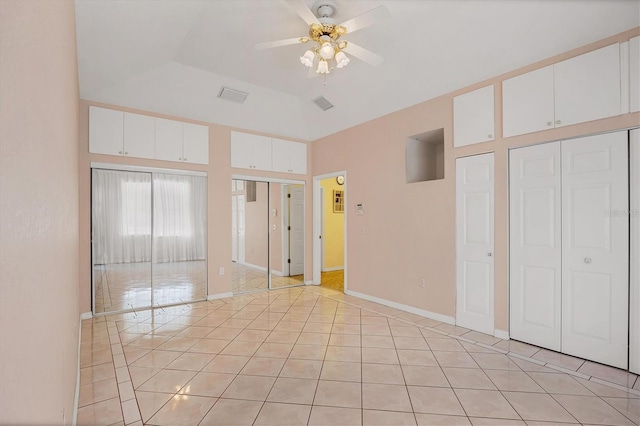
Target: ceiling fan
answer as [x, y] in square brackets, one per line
[328, 48]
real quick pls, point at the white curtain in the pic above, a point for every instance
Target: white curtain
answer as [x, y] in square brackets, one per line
[121, 215]
[179, 218]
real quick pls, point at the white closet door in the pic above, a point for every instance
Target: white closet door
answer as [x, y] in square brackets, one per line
[474, 242]
[535, 244]
[595, 248]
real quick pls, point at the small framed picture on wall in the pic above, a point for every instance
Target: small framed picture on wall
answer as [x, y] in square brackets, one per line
[338, 201]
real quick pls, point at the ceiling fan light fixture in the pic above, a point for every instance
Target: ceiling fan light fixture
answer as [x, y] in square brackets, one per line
[307, 59]
[341, 60]
[327, 51]
[323, 67]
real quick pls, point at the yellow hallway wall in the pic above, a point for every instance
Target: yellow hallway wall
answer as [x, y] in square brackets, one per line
[333, 234]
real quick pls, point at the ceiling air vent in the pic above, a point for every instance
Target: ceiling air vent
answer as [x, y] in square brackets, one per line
[232, 95]
[323, 103]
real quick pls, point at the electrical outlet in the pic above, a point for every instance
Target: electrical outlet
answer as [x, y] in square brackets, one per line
[422, 283]
[221, 270]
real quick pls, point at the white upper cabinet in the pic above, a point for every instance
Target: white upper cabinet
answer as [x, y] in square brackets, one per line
[473, 117]
[634, 74]
[577, 90]
[106, 130]
[195, 143]
[168, 140]
[288, 157]
[587, 87]
[139, 134]
[250, 151]
[527, 102]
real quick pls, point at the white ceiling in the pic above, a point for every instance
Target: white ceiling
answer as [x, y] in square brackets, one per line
[173, 56]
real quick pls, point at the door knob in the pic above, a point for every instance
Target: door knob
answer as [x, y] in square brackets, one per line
[587, 260]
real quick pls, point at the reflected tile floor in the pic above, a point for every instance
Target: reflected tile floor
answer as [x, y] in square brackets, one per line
[314, 356]
[246, 279]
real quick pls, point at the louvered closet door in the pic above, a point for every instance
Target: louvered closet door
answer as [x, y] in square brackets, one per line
[535, 244]
[595, 252]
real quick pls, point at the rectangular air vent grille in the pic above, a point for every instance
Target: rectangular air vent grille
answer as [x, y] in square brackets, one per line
[232, 95]
[323, 103]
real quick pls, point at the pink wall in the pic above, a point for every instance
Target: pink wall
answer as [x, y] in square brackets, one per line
[408, 230]
[39, 311]
[219, 173]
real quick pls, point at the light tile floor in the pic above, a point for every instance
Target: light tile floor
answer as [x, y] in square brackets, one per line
[310, 355]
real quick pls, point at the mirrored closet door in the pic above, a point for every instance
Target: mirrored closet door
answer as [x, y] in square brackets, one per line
[149, 238]
[267, 235]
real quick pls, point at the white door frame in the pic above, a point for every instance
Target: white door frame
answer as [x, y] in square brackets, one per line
[317, 225]
[634, 203]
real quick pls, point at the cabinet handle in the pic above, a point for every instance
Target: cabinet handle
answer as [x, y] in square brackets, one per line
[558, 122]
[489, 254]
[126, 153]
[587, 260]
[184, 159]
[549, 123]
[490, 136]
[120, 152]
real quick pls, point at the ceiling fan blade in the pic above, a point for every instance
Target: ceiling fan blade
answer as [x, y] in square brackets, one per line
[305, 13]
[371, 17]
[363, 54]
[279, 43]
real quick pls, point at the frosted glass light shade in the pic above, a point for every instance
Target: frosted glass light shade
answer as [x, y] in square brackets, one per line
[342, 59]
[307, 58]
[327, 51]
[323, 67]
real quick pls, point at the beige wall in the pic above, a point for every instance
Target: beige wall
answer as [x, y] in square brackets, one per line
[39, 311]
[408, 230]
[219, 175]
[333, 228]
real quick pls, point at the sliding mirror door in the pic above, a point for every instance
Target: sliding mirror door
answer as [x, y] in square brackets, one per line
[286, 234]
[250, 245]
[179, 238]
[121, 240]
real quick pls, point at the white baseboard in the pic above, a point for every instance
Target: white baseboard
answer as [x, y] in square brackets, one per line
[86, 315]
[251, 265]
[501, 334]
[417, 311]
[76, 397]
[310, 282]
[219, 296]
[333, 268]
[278, 273]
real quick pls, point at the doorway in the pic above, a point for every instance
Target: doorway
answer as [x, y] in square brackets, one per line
[330, 225]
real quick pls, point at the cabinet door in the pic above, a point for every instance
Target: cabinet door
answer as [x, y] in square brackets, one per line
[595, 248]
[250, 151]
[105, 131]
[535, 245]
[280, 155]
[473, 117]
[527, 102]
[168, 140]
[139, 135]
[195, 143]
[298, 154]
[634, 74]
[587, 87]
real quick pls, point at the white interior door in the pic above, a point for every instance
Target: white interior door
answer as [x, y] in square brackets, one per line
[474, 243]
[535, 180]
[234, 227]
[595, 248]
[296, 232]
[634, 331]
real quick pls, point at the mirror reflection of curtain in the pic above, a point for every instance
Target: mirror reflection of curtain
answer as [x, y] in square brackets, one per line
[179, 221]
[121, 217]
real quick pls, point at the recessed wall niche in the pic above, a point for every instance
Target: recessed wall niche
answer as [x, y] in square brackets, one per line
[425, 156]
